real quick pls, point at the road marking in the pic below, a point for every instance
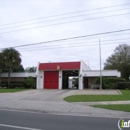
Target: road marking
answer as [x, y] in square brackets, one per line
[19, 127]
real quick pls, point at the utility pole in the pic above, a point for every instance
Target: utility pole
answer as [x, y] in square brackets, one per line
[100, 64]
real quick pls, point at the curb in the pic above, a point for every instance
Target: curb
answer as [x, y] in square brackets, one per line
[68, 113]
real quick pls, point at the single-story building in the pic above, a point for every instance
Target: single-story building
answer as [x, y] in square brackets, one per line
[17, 76]
[17, 79]
[55, 75]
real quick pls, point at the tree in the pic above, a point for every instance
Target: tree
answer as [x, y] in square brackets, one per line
[31, 69]
[120, 60]
[1, 61]
[11, 59]
[20, 68]
[15, 69]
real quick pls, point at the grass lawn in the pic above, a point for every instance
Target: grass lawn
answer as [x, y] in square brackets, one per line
[119, 107]
[5, 90]
[96, 98]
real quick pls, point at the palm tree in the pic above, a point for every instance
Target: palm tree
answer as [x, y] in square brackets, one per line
[11, 59]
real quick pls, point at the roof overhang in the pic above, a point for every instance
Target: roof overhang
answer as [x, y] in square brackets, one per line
[96, 73]
[59, 66]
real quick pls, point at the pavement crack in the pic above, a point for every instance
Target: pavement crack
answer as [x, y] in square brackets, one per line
[71, 109]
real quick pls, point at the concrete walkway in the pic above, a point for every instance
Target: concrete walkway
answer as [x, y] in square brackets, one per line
[103, 103]
[51, 101]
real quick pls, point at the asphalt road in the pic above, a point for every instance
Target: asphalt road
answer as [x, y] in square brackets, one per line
[18, 120]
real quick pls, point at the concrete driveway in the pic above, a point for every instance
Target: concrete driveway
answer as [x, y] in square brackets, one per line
[51, 101]
[58, 95]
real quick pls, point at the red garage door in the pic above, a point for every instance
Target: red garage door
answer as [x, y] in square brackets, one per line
[51, 79]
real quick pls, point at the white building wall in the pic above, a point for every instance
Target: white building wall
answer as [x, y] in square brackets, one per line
[96, 73]
[83, 67]
[70, 83]
[19, 74]
[40, 79]
[60, 79]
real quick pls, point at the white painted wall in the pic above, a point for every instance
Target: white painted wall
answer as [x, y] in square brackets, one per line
[60, 79]
[96, 73]
[40, 79]
[83, 67]
[17, 74]
[70, 82]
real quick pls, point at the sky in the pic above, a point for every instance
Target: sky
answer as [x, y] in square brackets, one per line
[24, 22]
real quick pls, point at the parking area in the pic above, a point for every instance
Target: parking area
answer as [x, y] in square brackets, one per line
[51, 101]
[58, 95]
[52, 95]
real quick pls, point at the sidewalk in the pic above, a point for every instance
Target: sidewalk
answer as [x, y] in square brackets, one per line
[103, 103]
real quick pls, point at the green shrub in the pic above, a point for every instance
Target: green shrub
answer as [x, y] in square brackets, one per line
[4, 84]
[116, 80]
[30, 82]
[110, 86]
[12, 84]
[123, 85]
[17, 85]
[105, 82]
[109, 83]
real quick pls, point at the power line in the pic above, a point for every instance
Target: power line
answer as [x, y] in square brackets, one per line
[62, 18]
[66, 14]
[64, 45]
[70, 38]
[79, 43]
[67, 47]
[62, 23]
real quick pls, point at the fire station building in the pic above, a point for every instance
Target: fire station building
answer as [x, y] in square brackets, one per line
[55, 75]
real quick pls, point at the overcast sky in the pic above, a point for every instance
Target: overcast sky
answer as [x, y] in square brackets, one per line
[25, 22]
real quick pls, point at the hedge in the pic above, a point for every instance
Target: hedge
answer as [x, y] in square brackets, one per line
[123, 85]
[13, 84]
[111, 83]
[116, 80]
[28, 83]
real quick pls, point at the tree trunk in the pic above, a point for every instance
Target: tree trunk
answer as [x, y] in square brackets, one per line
[9, 78]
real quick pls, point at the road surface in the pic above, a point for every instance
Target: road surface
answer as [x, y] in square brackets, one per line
[21, 120]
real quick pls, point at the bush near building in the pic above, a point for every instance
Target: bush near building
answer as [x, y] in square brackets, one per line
[113, 83]
[30, 82]
[123, 85]
[12, 84]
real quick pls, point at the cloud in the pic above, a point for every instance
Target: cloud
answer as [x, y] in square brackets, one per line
[14, 11]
